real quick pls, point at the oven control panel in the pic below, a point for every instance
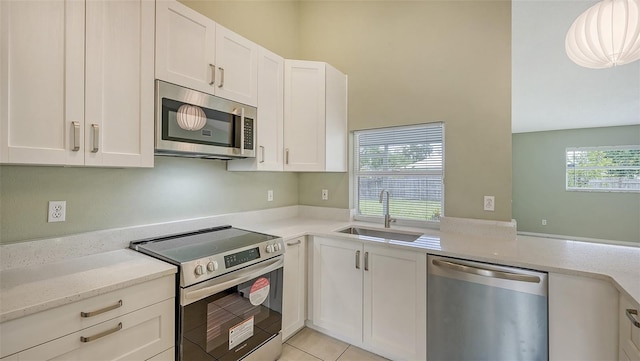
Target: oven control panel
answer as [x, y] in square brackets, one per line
[216, 265]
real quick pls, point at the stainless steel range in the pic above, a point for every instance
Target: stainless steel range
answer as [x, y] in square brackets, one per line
[229, 292]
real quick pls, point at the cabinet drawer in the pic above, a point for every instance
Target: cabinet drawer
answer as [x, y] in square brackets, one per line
[29, 331]
[629, 333]
[138, 335]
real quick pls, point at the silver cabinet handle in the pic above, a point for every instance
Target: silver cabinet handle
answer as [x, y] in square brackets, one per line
[95, 132]
[286, 156]
[221, 77]
[366, 261]
[262, 154]
[101, 334]
[357, 259]
[486, 272]
[213, 74]
[630, 314]
[76, 136]
[294, 243]
[102, 310]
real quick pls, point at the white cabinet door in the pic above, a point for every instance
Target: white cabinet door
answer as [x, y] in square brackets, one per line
[304, 115]
[269, 155]
[135, 336]
[294, 292]
[629, 330]
[237, 62]
[119, 83]
[583, 319]
[185, 46]
[42, 82]
[315, 117]
[337, 288]
[395, 305]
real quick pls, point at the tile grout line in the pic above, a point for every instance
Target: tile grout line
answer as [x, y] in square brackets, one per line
[299, 349]
[343, 352]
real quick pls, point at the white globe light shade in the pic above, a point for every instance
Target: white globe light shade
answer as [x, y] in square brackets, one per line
[191, 117]
[606, 35]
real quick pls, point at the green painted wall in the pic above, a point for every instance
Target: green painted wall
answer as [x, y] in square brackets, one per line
[423, 61]
[102, 198]
[539, 187]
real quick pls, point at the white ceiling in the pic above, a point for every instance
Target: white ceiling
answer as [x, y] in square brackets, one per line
[549, 91]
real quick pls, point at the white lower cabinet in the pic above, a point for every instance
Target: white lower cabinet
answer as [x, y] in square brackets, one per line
[133, 323]
[137, 336]
[294, 292]
[371, 296]
[583, 318]
[629, 330]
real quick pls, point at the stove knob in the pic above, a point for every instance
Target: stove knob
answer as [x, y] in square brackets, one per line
[199, 270]
[212, 266]
[277, 246]
[269, 248]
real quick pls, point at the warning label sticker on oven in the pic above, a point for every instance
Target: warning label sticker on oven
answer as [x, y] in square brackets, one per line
[240, 332]
[259, 291]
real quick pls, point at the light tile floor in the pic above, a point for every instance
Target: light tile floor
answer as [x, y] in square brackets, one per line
[310, 345]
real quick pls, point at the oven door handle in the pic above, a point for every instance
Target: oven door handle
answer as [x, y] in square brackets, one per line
[232, 279]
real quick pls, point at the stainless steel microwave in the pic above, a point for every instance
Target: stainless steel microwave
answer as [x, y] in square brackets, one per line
[194, 124]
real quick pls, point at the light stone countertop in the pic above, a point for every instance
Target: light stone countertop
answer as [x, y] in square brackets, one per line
[28, 290]
[31, 288]
[619, 265]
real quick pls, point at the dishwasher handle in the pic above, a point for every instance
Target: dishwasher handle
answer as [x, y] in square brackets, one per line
[485, 272]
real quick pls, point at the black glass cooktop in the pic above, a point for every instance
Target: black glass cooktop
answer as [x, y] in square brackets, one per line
[186, 247]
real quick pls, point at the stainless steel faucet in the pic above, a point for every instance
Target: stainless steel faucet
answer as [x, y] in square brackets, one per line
[387, 216]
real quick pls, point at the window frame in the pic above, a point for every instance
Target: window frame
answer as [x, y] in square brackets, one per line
[598, 148]
[356, 173]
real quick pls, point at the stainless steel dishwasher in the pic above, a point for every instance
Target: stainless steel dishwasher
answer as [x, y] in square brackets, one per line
[479, 311]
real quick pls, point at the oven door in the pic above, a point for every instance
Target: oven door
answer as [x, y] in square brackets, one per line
[230, 316]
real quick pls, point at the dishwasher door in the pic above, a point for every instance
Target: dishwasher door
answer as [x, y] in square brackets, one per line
[478, 311]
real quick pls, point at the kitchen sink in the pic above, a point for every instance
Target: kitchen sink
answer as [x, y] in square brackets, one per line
[379, 233]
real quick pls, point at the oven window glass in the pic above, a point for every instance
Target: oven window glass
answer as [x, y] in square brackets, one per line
[230, 324]
[219, 129]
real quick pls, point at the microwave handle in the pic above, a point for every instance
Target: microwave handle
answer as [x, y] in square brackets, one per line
[242, 131]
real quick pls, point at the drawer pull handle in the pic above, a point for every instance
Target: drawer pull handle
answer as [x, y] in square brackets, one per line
[357, 259]
[630, 314]
[294, 243]
[101, 334]
[103, 310]
[213, 74]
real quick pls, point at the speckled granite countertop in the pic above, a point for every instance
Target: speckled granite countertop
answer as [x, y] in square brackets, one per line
[28, 290]
[618, 264]
[25, 290]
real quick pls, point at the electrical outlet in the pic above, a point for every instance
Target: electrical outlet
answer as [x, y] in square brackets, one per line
[489, 203]
[269, 195]
[57, 211]
[325, 194]
[544, 222]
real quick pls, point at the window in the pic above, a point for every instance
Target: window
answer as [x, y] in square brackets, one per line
[408, 162]
[610, 169]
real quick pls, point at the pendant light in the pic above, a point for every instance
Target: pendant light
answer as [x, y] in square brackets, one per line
[191, 117]
[606, 35]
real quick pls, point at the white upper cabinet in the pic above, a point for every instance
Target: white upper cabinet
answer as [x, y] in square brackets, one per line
[269, 154]
[185, 46]
[237, 62]
[195, 52]
[315, 117]
[66, 103]
[119, 91]
[42, 82]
